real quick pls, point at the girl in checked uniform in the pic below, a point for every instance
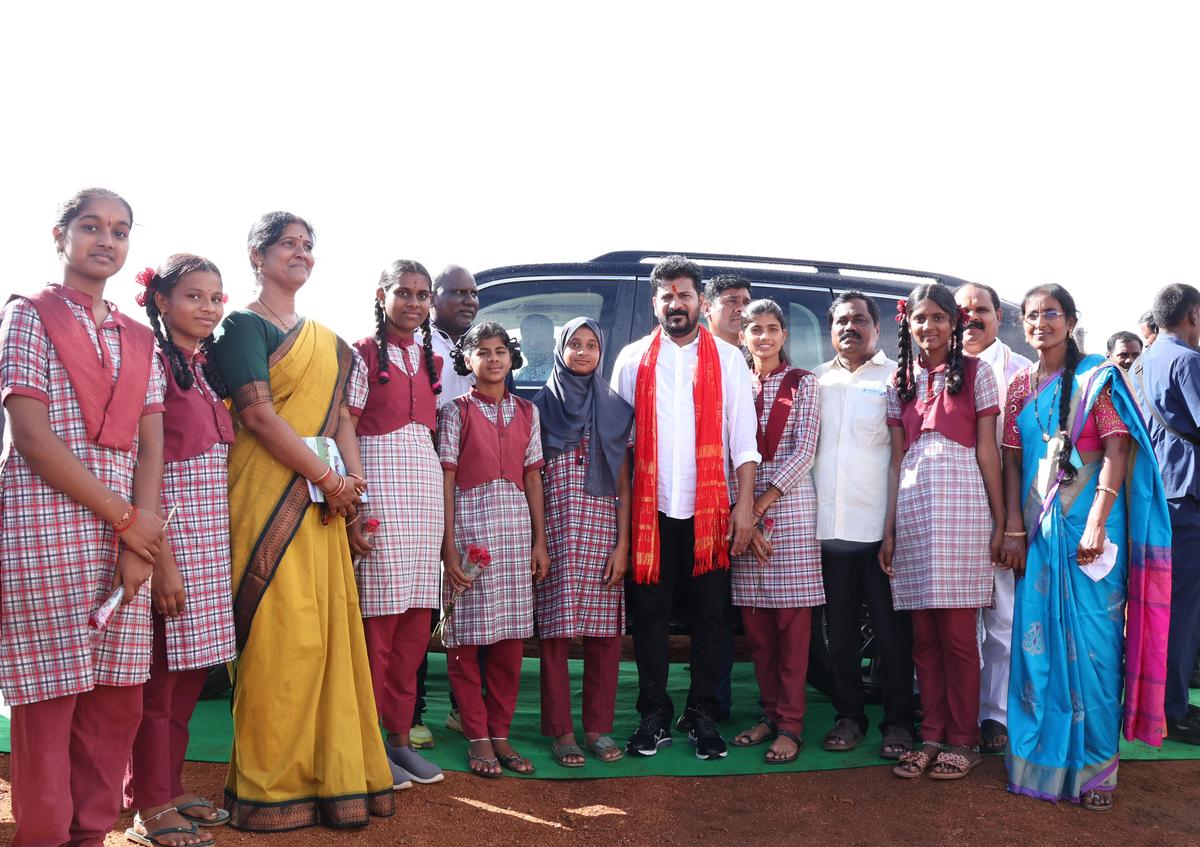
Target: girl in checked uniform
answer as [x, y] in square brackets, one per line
[79, 490]
[585, 430]
[191, 590]
[778, 581]
[393, 399]
[491, 450]
[945, 521]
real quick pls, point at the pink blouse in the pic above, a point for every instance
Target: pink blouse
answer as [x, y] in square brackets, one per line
[1103, 422]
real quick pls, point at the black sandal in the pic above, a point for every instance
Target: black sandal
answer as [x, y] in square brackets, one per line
[799, 742]
[763, 720]
[847, 732]
[989, 731]
[895, 736]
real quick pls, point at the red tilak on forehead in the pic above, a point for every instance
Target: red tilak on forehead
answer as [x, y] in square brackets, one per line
[675, 288]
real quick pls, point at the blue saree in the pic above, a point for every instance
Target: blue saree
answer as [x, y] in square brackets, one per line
[1079, 644]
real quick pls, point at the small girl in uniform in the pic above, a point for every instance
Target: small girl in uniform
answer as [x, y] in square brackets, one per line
[490, 445]
[778, 582]
[585, 429]
[945, 522]
[393, 400]
[79, 490]
[193, 613]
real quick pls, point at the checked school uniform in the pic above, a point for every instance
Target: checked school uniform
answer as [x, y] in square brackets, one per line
[76, 696]
[942, 561]
[777, 598]
[399, 581]
[197, 432]
[573, 601]
[490, 446]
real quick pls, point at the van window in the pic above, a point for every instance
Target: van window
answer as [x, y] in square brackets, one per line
[533, 311]
[808, 331]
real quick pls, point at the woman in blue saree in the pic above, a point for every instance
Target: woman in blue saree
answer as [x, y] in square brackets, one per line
[1088, 533]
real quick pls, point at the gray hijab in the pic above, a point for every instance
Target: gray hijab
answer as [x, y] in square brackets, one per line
[571, 405]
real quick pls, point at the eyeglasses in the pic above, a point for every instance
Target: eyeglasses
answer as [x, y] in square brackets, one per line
[1049, 316]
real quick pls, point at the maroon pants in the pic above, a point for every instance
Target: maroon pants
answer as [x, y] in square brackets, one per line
[946, 655]
[485, 716]
[601, 661]
[68, 757]
[396, 644]
[155, 773]
[778, 641]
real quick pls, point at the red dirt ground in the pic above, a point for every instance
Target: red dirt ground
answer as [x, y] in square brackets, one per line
[1157, 804]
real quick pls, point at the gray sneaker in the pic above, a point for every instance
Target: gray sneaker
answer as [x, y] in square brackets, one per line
[401, 779]
[415, 766]
[454, 721]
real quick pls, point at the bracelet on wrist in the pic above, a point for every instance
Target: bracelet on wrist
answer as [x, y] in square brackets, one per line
[317, 482]
[1018, 534]
[1107, 490]
[337, 492]
[126, 520]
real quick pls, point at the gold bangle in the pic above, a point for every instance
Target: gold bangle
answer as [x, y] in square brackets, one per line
[1020, 534]
[1111, 491]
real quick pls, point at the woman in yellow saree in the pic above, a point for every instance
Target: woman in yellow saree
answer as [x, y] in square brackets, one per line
[306, 748]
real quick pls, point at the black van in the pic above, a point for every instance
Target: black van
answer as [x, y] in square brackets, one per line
[534, 301]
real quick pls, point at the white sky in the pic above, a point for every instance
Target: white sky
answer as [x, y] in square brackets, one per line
[1012, 144]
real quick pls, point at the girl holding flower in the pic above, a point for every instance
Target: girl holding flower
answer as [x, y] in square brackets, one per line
[491, 450]
[779, 580]
[79, 491]
[193, 615]
[585, 430]
[945, 521]
[393, 400]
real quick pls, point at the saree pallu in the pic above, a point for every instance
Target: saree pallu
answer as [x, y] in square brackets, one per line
[307, 748]
[1077, 642]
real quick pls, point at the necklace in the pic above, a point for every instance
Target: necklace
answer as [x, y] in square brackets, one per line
[1037, 382]
[279, 320]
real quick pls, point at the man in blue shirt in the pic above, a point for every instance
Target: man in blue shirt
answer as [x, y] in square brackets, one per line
[1167, 379]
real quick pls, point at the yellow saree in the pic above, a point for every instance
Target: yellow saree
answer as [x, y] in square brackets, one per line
[307, 748]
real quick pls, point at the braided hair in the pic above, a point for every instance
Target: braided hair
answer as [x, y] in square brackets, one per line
[906, 386]
[390, 276]
[477, 334]
[163, 281]
[1067, 471]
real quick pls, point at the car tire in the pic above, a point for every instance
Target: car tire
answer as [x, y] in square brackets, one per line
[820, 662]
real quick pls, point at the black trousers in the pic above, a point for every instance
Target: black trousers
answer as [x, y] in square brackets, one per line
[650, 608]
[852, 577]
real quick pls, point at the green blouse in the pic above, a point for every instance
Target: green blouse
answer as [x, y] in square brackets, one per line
[243, 351]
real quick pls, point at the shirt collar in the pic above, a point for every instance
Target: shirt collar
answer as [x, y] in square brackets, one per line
[878, 359]
[997, 351]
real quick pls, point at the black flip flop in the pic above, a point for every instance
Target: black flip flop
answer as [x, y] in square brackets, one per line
[989, 731]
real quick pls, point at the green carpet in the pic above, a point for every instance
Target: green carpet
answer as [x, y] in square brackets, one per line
[212, 728]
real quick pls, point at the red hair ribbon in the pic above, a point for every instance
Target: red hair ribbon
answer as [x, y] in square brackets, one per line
[901, 310]
[144, 278]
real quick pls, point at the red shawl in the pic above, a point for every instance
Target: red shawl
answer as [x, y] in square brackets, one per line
[712, 493]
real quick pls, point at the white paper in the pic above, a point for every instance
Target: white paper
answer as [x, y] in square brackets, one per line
[1104, 563]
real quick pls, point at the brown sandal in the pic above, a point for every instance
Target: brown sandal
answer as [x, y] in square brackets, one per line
[916, 763]
[959, 763]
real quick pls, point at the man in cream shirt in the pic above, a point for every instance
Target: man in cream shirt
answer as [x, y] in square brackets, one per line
[850, 474]
[981, 339]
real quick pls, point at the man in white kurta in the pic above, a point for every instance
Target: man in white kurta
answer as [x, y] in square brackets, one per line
[982, 340]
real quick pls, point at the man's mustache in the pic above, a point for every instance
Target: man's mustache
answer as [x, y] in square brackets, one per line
[679, 313]
[975, 324]
[849, 333]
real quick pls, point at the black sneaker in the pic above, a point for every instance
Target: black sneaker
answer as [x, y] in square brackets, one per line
[707, 738]
[684, 724]
[652, 735]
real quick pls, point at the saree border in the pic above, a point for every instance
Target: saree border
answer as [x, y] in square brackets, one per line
[284, 522]
[342, 812]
